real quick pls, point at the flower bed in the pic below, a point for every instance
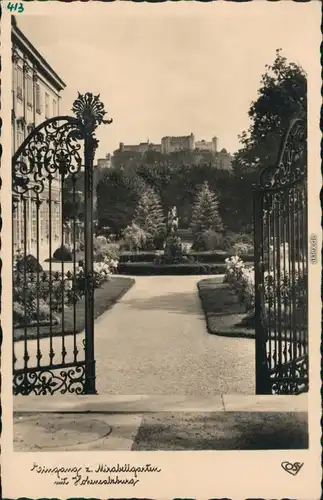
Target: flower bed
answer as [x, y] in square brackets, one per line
[285, 293]
[104, 298]
[39, 297]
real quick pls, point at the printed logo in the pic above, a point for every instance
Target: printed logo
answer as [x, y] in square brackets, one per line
[292, 468]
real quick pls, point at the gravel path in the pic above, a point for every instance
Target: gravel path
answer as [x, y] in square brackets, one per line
[154, 341]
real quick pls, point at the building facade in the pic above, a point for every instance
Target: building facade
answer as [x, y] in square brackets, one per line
[103, 163]
[202, 150]
[141, 148]
[171, 144]
[36, 92]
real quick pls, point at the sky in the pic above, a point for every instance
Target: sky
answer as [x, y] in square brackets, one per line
[165, 70]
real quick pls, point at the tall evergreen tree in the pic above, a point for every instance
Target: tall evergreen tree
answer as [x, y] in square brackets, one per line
[205, 213]
[149, 213]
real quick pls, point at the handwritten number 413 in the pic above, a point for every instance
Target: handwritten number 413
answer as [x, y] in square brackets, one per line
[15, 7]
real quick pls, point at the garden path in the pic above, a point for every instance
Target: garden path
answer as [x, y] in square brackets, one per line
[154, 341]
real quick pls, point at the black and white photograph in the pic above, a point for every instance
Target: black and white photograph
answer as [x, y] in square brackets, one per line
[162, 248]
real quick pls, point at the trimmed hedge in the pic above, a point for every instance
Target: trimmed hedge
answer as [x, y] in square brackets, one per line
[217, 257]
[125, 257]
[199, 257]
[149, 269]
[63, 254]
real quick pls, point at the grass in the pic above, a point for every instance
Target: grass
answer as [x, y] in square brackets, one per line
[224, 315]
[104, 298]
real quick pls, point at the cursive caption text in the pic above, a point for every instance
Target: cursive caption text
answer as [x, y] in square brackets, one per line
[103, 474]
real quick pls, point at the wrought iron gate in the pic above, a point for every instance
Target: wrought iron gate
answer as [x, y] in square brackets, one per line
[53, 320]
[281, 257]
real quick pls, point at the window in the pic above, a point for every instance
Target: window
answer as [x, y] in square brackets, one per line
[46, 105]
[54, 107]
[19, 82]
[29, 91]
[44, 221]
[38, 98]
[15, 226]
[55, 220]
[20, 137]
[14, 78]
[33, 221]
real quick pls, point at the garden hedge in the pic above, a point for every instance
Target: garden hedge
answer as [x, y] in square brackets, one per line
[199, 257]
[150, 269]
[125, 257]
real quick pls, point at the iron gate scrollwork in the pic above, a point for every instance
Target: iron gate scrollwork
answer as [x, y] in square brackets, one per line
[281, 259]
[53, 320]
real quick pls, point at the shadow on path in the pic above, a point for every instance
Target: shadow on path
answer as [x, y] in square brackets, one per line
[181, 303]
[223, 431]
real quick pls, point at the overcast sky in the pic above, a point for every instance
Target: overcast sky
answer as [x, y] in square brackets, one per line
[166, 70]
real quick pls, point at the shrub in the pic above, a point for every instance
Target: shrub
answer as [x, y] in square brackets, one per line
[27, 263]
[173, 247]
[134, 238]
[232, 239]
[33, 314]
[159, 237]
[102, 251]
[277, 289]
[63, 254]
[240, 248]
[173, 252]
[208, 240]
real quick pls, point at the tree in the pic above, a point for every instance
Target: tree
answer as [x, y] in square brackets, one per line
[282, 95]
[149, 213]
[117, 197]
[205, 213]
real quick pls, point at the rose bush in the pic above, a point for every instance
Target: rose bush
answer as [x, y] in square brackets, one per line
[286, 289]
[36, 295]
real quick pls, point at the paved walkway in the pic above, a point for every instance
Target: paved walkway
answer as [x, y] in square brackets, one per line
[154, 341]
[254, 423]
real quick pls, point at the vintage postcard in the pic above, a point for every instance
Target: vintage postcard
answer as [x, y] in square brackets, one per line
[161, 269]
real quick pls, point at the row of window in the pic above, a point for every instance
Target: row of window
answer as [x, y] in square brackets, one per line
[18, 84]
[43, 223]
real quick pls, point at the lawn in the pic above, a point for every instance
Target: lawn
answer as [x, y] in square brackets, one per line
[104, 298]
[223, 313]
[225, 316]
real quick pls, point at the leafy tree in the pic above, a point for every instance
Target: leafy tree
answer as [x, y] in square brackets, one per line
[205, 213]
[282, 95]
[117, 197]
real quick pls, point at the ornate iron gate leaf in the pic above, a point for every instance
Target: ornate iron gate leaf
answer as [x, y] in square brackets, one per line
[281, 280]
[53, 320]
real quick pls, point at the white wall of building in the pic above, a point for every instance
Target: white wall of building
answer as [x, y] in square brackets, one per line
[35, 98]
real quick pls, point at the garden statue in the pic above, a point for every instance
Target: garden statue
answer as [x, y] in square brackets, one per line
[172, 221]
